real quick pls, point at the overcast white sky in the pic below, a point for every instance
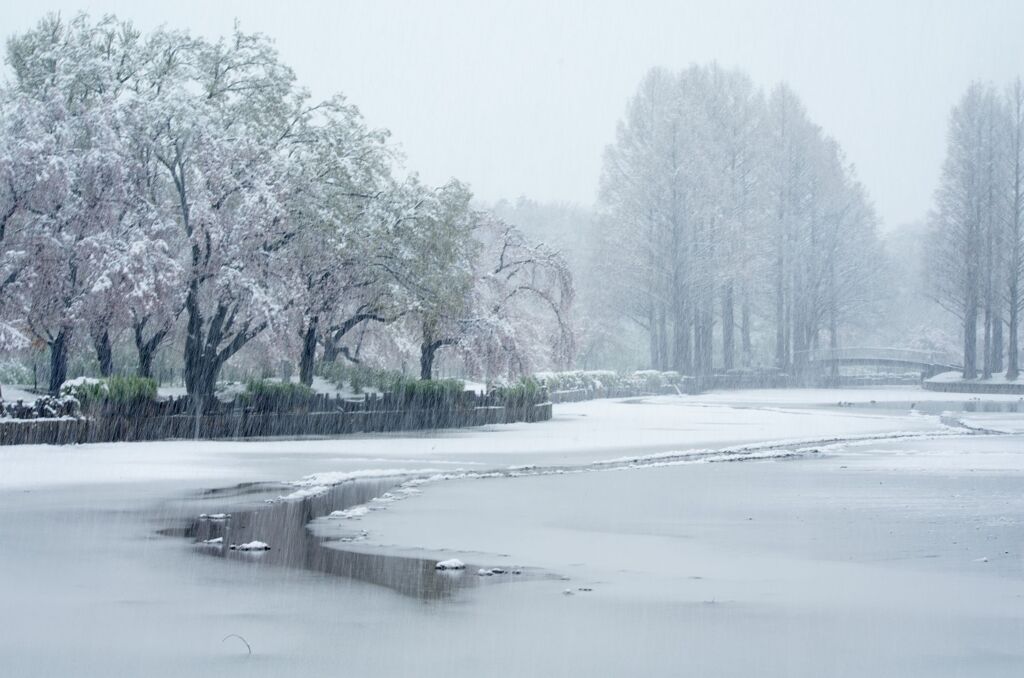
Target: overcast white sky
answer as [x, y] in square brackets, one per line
[520, 98]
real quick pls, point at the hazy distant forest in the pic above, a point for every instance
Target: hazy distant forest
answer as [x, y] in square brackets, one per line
[178, 207]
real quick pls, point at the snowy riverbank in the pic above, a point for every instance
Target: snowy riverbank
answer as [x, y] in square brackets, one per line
[881, 557]
[953, 382]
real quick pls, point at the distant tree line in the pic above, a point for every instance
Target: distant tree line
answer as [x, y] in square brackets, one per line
[975, 247]
[733, 230]
[168, 190]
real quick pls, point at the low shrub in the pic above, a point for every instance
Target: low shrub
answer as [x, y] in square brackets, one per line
[427, 392]
[122, 392]
[131, 389]
[647, 381]
[266, 395]
[575, 380]
[527, 391]
[85, 390]
[358, 377]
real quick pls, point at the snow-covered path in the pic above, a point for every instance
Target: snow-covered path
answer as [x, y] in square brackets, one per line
[884, 557]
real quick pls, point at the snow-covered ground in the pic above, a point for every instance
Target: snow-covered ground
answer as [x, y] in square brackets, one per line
[13, 394]
[897, 554]
[997, 378]
[862, 396]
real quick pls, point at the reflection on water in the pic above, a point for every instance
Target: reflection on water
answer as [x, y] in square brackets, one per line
[283, 525]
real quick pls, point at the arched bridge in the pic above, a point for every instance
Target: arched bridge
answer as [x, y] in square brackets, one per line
[929, 363]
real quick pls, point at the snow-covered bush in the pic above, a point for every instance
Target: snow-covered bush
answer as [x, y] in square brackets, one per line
[85, 389]
[649, 380]
[15, 372]
[579, 379]
[123, 392]
[43, 407]
[645, 381]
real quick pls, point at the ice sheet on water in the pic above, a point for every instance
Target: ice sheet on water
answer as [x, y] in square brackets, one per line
[659, 542]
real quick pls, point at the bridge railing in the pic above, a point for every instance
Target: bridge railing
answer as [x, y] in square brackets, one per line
[862, 353]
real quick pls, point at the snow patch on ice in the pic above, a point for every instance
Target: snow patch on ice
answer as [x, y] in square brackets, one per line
[251, 546]
[318, 483]
[771, 448]
[350, 513]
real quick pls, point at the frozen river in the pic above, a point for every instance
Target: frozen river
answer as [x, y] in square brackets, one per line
[857, 533]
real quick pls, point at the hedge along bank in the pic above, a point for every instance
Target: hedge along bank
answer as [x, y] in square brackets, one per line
[278, 410]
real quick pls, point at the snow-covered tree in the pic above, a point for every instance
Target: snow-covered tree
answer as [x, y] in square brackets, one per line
[65, 82]
[340, 220]
[965, 219]
[22, 167]
[159, 180]
[711, 188]
[433, 268]
[219, 120]
[1014, 230]
[522, 304]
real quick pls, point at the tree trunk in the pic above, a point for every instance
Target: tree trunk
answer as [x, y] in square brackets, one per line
[194, 349]
[104, 352]
[682, 330]
[59, 360]
[201, 377]
[308, 358]
[652, 336]
[833, 344]
[427, 351]
[146, 348]
[786, 361]
[663, 341]
[781, 357]
[748, 347]
[997, 344]
[703, 348]
[658, 339]
[1017, 205]
[202, 363]
[145, 367]
[971, 341]
[1012, 352]
[986, 350]
[330, 351]
[801, 339]
[728, 327]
